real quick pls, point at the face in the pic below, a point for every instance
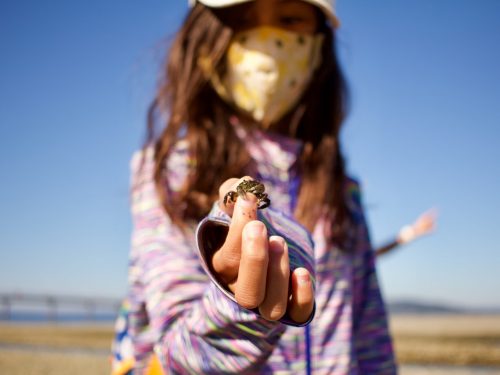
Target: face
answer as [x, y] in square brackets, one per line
[271, 59]
[291, 15]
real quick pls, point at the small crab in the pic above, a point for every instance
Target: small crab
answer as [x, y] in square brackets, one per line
[249, 186]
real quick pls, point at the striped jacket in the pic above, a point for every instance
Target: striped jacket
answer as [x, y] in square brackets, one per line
[178, 312]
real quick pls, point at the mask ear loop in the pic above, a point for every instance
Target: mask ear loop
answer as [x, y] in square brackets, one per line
[316, 52]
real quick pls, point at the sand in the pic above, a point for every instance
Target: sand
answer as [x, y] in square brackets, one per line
[425, 344]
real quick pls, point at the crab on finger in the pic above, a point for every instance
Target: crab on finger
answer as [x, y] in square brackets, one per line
[249, 186]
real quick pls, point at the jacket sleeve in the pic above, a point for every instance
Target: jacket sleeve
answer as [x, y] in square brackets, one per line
[372, 341]
[176, 310]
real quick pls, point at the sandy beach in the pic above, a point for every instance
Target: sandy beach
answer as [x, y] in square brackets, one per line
[425, 344]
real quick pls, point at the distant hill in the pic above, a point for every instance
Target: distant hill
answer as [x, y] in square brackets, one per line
[424, 307]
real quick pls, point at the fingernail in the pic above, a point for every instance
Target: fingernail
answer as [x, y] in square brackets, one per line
[276, 244]
[302, 276]
[255, 228]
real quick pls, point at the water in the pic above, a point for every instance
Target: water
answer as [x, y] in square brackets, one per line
[33, 348]
[41, 317]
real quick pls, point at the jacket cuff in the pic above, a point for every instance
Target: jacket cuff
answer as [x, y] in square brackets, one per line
[212, 231]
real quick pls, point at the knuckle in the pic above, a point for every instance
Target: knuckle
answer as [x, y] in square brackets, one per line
[254, 239]
[231, 263]
[230, 256]
[256, 255]
[254, 232]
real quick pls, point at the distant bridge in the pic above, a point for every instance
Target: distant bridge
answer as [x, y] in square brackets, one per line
[53, 303]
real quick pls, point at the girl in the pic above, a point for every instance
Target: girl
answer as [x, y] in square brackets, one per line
[251, 88]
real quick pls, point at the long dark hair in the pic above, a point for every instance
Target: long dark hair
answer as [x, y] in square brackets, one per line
[193, 111]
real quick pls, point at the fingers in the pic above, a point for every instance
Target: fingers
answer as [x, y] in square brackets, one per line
[256, 268]
[250, 288]
[226, 261]
[278, 272]
[302, 301]
[427, 222]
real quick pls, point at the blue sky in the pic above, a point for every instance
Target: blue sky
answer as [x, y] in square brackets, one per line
[76, 79]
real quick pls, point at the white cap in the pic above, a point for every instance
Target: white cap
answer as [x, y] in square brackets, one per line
[327, 6]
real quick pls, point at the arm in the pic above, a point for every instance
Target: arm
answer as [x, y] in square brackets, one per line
[201, 330]
[387, 247]
[192, 325]
[175, 310]
[372, 340]
[425, 224]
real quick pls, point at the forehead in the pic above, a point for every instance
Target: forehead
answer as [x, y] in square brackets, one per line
[293, 15]
[259, 10]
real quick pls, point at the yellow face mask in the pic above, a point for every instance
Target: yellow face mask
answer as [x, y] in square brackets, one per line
[268, 70]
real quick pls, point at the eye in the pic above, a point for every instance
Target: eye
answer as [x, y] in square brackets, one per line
[241, 21]
[296, 15]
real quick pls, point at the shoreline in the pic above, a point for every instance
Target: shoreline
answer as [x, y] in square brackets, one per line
[424, 344]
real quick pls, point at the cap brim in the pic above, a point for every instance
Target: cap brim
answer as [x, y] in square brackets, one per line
[220, 3]
[226, 3]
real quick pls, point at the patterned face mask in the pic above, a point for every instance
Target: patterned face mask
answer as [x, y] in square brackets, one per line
[268, 70]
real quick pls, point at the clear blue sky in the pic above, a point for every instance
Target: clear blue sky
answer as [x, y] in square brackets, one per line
[424, 130]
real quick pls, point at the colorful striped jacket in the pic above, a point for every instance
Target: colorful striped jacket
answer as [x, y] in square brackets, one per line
[179, 313]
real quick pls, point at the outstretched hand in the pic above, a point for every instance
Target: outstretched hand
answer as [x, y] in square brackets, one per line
[256, 268]
[423, 225]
